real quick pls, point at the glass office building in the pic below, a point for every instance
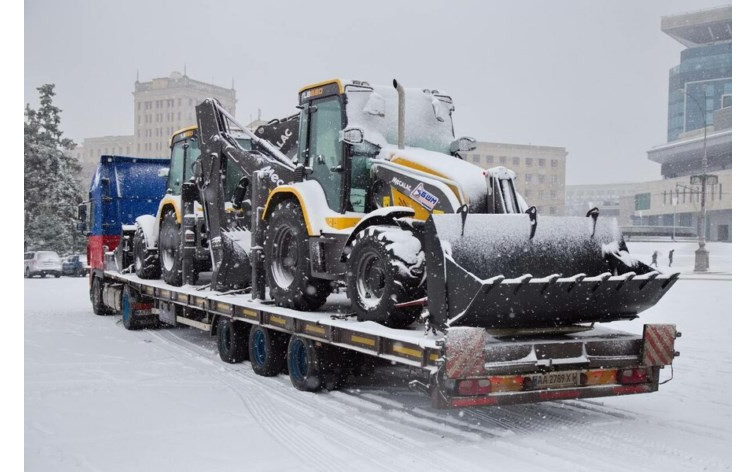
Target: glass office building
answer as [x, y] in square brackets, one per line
[702, 83]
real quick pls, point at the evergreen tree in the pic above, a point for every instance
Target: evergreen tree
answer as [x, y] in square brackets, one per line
[51, 191]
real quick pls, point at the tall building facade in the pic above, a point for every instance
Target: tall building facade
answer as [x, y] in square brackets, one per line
[699, 133]
[161, 107]
[702, 82]
[541, 171]
[606, 197]
[166, 104]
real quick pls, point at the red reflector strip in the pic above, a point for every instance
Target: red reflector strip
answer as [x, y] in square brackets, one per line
[474, 387]
[142, 306]
[473, 401]
[558, 394]
[629, 389]
[632, 376]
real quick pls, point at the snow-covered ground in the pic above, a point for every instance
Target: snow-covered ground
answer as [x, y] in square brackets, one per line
[98, 397]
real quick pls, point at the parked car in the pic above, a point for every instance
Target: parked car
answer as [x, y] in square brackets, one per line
[76, 265]
[42, 263]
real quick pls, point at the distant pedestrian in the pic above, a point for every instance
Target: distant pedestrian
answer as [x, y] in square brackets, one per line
[671, 253]
[654, 257]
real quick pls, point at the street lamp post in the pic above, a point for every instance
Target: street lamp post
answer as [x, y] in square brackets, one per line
[702, 254]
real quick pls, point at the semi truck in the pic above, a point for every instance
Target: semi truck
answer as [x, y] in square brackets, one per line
[363, 236]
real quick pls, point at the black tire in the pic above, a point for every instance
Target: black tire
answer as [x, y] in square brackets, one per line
[146, 263]
[304, 361]
[169, 248]
[287, 254]
[95, 294]
[267, 351]
[232, 340]
[57, 275]
[379, 276]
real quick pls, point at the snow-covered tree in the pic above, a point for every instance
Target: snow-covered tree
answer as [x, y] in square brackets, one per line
[51, 191]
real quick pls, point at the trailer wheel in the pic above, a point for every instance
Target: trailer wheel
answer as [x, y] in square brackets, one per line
[169, 245]
[129, 301]
[380, 275]
[287, 254]
[305, 363]
[267, 351]
[146, 263]
[232, 340]
[95, 294]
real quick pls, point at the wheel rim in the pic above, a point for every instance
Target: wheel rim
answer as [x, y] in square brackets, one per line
[371, 279]
[126, 307]
[285, 256]
[298, 360]
[258, 348]
[169, 250]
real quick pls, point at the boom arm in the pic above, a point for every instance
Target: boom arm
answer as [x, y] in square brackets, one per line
[264, 167]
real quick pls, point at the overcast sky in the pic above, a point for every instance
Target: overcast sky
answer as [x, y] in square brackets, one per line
[587, 75]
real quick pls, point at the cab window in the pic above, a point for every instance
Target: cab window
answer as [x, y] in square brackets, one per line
[192, 154]
[176, 172]
[325, 152]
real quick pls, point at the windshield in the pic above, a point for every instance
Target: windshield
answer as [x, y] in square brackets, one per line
[47, 256]
[428, 121]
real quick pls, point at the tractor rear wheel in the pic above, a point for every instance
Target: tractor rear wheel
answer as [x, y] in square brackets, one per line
[169, 245]
[386, 266]
[287, 254]
[146, 264]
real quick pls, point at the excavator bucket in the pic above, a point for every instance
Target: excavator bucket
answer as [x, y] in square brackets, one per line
[519, 271]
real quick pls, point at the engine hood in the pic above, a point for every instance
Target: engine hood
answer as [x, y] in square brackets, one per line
[469, 178]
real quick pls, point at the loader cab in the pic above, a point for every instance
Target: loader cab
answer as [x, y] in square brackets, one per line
[342, 172]
[184, 154]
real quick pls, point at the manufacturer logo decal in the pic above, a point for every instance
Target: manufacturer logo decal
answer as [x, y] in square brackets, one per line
[402, 184]
[424, 197]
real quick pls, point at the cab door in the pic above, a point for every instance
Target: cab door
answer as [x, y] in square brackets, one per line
[325, 151]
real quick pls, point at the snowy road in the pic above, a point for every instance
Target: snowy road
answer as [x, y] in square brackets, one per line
[98, 397]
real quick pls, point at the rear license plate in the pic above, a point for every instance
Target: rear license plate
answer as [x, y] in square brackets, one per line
[555, 379]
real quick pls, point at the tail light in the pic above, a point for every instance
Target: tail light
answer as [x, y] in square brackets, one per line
[189, 236]
[633, 376]
[474, 387]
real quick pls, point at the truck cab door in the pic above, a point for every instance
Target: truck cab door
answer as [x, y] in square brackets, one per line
[325, 150]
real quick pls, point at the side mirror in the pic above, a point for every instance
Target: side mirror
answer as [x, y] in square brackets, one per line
[105, 184]
[463, 144]
[81, 227]
[352, 136]
[163, 172]
[82, 214]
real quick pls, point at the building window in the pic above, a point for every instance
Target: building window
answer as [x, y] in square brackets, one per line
[554, 179]
[541, 162]
[553, 194]
[529, 161]
[489, 159]
[642, 201]
[476, 158]
[139, 147]
[665, 197]
[179, 116]
[527, 192]
[540, 194]
[516, 161]
[503, 159]
[541, 178]
[139, 105]
[128, 149]
[552, 210]
[720, 191]
[179, 102]
[554, 163]
[528, 177]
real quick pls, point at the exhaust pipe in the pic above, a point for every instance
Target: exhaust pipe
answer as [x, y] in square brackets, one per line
[400, 91]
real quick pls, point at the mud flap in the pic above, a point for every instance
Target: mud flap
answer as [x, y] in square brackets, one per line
[497, 276]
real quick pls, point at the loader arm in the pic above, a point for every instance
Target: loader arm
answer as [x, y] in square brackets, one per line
[258, 172]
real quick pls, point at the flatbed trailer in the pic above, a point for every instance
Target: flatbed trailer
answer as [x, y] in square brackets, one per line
[462, 367]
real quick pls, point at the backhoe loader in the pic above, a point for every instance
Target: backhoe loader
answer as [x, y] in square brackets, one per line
[370, 194]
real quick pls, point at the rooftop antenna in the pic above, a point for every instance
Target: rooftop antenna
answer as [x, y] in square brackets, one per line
[137, 75]
[232, 83]
[259, 113]
[185, 69]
